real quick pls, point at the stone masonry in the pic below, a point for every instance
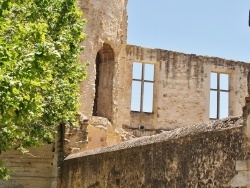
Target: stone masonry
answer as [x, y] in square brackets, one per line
[243, 165]
[202, 155]
[180, 99]
[182, 83]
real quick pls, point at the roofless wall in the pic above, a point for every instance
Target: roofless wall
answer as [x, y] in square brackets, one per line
[182, 88]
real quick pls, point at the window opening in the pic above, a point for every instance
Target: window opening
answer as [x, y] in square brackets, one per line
[142, 87]
[219, 95]
[104, 82]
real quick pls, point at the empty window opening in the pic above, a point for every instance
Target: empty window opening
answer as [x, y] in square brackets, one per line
[104, 82]
[142, 87]
[219, 95]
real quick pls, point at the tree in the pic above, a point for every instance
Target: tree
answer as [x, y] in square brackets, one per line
[39, 71]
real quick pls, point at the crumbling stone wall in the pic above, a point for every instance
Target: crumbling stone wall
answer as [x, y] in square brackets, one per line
[201, 155]
[92, 133]
[182, 85]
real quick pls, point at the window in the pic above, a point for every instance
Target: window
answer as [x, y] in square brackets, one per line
[219, 95]
[142, 87]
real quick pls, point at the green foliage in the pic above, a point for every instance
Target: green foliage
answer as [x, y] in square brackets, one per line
[39, 72]
[4, 172]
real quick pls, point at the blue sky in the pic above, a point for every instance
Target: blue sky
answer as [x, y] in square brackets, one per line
[208, 27]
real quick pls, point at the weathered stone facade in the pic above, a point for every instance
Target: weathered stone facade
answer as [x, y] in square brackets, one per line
[105, 53]
[203, 155]
[107, 90]
[182, 84]
[182, 81]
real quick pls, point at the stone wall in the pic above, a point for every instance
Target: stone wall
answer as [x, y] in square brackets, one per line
[95, 132]
[242, 178]
[30, 170]
[202, 155]
[106, 26]
[43, 164]
[182, 84]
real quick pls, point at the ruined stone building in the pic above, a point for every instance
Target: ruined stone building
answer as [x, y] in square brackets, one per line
[170, 93]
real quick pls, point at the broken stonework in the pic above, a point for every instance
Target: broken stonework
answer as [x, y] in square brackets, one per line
[92, 133]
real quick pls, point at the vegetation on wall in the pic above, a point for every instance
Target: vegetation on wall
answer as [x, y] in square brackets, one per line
[39, 72]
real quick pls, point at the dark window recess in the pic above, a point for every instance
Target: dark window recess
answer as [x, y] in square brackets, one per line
[104, 82]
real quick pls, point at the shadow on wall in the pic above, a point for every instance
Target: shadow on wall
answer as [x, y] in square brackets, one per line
[104, 82]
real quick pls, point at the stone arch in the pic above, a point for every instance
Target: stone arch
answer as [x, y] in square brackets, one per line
[104, 82]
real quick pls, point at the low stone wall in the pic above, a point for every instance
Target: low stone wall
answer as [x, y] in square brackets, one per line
[201, 155]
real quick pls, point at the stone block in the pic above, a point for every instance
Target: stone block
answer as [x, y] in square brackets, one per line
[243, 165]
[242, 179]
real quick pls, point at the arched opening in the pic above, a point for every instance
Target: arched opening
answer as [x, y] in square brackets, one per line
[104, 82]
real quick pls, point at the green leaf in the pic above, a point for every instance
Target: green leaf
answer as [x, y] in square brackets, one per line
[15, 91]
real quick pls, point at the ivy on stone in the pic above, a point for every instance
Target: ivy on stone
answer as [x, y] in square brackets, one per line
[39, 72]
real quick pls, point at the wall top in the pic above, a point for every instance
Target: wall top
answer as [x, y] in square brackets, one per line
[212, 126]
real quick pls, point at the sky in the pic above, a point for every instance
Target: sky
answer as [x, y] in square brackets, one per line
[203, 27]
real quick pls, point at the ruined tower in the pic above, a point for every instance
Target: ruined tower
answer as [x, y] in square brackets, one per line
[104, 48]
